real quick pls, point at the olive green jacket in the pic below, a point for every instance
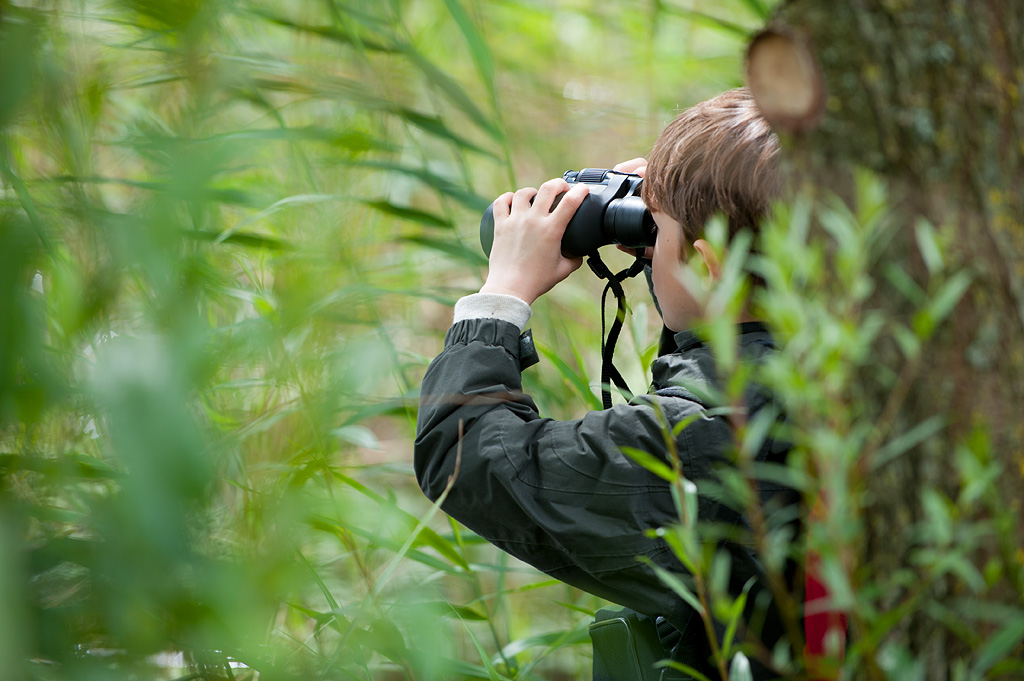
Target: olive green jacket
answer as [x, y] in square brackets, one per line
[561, 495]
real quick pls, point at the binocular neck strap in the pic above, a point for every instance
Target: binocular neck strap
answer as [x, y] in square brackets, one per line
[609, 374]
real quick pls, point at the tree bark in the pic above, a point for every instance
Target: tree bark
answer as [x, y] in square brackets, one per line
[928, 95]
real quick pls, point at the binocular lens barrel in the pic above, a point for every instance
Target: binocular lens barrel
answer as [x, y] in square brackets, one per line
[629, 222]
[612, 213]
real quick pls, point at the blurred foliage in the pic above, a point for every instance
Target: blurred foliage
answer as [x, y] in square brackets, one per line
[230, 236]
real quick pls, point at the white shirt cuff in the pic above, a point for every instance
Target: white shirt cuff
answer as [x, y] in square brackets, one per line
[493, 306]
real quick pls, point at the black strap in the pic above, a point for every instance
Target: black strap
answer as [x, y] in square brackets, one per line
[609, 374]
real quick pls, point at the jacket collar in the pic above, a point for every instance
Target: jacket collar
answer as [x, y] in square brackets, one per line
[690, 371]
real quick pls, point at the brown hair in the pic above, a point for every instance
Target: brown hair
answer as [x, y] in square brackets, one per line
[720, 155]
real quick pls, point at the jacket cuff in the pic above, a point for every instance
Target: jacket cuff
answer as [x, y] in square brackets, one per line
[487, 331]
[493, 306]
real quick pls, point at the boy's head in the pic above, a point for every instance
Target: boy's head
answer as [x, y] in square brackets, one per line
[718, 156]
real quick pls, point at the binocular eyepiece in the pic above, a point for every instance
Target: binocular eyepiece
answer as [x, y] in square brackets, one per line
[612, 213]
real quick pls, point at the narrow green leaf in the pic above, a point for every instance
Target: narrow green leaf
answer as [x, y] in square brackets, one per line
[928, 245]
[739, 669]
[452, 90]
[998, 646]
[478, 48]
[651, 463]
[949, 295]
[759, 8]
[436, 127]
[246, 239]
[735, 612]
[440, 184]
[575, 377]
[913, 437]
[327, 32]
[319, 582]
[672, 581]
[456, 250]
[681, 667]
[724, 25]
[287, 202]
[551, 640]
[411, 214]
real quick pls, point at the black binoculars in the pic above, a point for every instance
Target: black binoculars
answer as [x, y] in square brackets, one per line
[612, 213]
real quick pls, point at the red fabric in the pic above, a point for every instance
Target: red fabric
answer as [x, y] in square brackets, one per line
[819, 620]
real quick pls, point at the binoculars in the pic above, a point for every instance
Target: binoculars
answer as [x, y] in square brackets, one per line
[612, 213]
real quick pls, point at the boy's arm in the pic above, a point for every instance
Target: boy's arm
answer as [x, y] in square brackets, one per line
[560, 495]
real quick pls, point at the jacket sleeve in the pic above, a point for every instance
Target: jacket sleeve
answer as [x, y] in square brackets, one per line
[560, 495]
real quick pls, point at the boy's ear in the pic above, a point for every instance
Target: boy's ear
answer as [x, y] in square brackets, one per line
[711, 260]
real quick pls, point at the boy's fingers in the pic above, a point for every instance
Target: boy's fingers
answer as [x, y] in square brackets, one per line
[521, 199]
[548, 191]
[648, 252]
[631, 166]
[570, 202]
[503, 205]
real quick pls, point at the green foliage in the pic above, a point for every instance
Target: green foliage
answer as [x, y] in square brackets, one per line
[230, 236]
[230, 233]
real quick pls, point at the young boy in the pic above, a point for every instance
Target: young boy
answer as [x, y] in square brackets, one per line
[562, 495]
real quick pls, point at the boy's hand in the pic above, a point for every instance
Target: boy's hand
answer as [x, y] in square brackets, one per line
[638, 166]
[526, 258]
[634, 165]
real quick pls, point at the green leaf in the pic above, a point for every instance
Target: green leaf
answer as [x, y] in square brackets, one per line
[440, 184]
[651, 463]
[724, 25]
[739, 669]
[681, 667]
[949, 295]
[999, 645]
[551, 640]
[732, 623]
[411, 214]
[478, 48]
[575, 378]
[453, 91]
[326, 32]
[456, 250]
[928, 246]
[908, 440]
[360, 436]
[674, 582]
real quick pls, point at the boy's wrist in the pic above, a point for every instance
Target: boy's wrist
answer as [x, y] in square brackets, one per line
[484, 305]
[505, 289]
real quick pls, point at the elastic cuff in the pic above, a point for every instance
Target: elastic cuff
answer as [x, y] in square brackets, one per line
[493, 306]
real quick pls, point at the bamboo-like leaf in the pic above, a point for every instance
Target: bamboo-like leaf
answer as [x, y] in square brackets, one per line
[412, 214]
[651, 463]
[739, 669]
[999, 645]
[327, 32]
[453, 91]
[682, 667]
[573, 377]
[724, 25]
[478, 48]
[759, 8]
[908, 440]
[454, 249]
[440, 184]
[552, 641]
[673, 581]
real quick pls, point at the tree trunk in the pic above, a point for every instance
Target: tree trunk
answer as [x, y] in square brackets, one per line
[928, 95]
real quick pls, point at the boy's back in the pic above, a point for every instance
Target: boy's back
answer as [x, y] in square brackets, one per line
[563, 495]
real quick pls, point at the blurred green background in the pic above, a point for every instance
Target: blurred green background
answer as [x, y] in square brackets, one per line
[231, 233]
